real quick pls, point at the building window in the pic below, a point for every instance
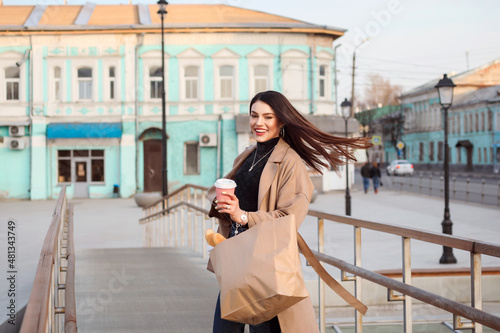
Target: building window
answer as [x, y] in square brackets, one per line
[65, 159]
[421, 152]
[191, 158]
[485, 152]
[440, 150]
[226, 74]
[12, 78]
[322, 81]
[477, 122]
[57, 84]
[85, 83]
[466, 124]
[97, 167]
[479, 155]
[261, 77]
[471, 124]
[191, 77]
[459, 160]
[155, 82]
[491, 155]
[112, 83]
[64, 166]
[431, 151]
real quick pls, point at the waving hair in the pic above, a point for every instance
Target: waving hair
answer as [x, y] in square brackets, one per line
[313, 145]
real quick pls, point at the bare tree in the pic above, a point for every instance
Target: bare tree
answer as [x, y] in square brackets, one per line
[381, 92]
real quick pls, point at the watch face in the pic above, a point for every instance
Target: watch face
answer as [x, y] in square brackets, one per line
[243, 217]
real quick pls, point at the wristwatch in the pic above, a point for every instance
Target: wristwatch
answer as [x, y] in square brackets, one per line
[244, 217]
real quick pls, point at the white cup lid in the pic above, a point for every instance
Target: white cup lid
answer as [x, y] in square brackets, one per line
[225, 183]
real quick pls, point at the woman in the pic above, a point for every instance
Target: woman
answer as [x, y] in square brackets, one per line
[375, 173]
[272, 181]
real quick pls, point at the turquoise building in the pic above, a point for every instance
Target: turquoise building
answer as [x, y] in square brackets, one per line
[81, 98]
[473, 122]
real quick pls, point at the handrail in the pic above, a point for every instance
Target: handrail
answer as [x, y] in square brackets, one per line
[45, 306]
[161, 220]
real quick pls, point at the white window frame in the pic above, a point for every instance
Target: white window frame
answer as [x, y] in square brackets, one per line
[191, 57]
[57, 89]
[295, 60]
[12, 82]
[227, 81]
[91, 80]
[152, 59]
[226, 57]
[112, 90]
[193, 81]
[157, 80]
[260, 57]
[323, 78]
[259, 77]
[185, 171]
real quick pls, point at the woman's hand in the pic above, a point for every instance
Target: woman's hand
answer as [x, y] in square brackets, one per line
[231, 206]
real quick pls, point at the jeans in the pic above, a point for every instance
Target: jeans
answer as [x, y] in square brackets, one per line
[366, 183]
[376, 182]
[226, 326]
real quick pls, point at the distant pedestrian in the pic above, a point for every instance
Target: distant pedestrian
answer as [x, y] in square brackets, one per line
[366, 174]
[375, 173]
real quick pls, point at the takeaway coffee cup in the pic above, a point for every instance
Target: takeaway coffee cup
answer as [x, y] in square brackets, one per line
[224, 185]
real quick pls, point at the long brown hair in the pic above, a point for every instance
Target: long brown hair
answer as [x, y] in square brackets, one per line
[306, 139]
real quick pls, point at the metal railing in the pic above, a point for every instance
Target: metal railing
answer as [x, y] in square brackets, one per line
[166, 226]
[52, 306]
[459, 190]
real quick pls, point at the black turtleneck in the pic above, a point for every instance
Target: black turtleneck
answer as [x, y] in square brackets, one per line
[247, 189]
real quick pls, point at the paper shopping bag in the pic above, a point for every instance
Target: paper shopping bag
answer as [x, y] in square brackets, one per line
[259, 272]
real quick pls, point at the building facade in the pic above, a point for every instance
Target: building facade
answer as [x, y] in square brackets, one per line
[473, 122]
[81, 98]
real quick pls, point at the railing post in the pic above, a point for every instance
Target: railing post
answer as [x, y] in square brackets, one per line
[407, 301]
[321, 283]
[430, 185]
[454, 190]
[420, 184]
[357, 281]
[467, 190]
[482, 191]
[476, 287]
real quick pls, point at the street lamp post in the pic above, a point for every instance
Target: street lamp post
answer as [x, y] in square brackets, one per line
[164, 178]
[346, 114]
[445, 91]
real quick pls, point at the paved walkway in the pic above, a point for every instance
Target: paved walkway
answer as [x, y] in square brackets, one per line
[109, 224]
[144, 290]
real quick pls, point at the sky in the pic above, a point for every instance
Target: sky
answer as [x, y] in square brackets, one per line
[409, 42]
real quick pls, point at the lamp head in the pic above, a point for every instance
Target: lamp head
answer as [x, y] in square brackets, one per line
[345, 106]
[445, 91]
[163, 7]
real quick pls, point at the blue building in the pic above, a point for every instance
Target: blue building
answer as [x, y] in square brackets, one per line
[473, 122]
[81, 98]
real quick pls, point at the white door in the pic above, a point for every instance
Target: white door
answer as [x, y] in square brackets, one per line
[81, 177]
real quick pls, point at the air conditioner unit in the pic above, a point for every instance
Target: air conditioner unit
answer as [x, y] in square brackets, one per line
[208, 140]
[17, 144]
[16, 130]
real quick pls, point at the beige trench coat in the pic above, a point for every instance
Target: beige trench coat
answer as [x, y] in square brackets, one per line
[285, 188]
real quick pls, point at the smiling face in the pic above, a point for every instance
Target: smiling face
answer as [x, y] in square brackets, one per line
[264, 123]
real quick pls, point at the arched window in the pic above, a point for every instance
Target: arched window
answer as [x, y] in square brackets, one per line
[12, 78]
[155, 82]
[85, 83]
